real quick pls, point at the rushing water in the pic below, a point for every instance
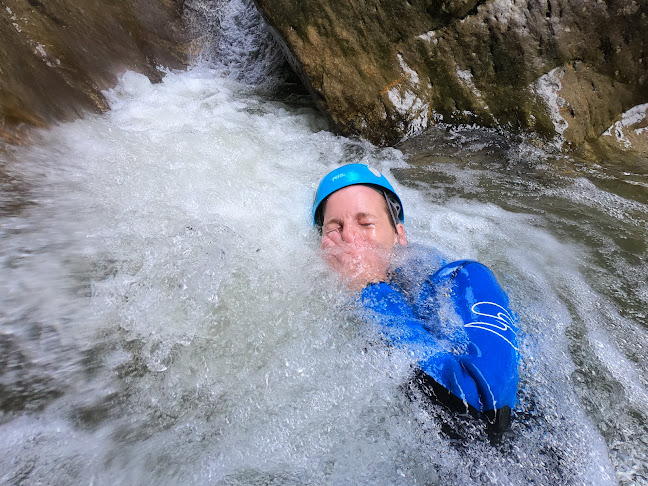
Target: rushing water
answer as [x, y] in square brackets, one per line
[166, 319]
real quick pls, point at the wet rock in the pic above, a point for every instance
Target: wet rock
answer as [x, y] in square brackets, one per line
[630, 132]
[563, 69]
[27, 384]
[57, 56]
[624, 145]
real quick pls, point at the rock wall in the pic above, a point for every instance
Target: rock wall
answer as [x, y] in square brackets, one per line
[564, 69]
[57, 56]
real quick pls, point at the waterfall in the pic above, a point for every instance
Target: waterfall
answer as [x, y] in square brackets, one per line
[237, 42]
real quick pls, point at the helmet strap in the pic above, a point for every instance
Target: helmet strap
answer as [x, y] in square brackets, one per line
[393, 207]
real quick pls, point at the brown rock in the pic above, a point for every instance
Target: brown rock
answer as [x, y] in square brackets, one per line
[629, 134]
[385, 70]
[58, 55]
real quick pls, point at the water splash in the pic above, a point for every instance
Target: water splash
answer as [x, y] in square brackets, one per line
[185, 326]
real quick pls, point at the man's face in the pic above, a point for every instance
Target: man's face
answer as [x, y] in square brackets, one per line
[358, 236]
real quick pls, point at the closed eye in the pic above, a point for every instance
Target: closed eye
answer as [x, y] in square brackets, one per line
[333, 229]
[366, 222]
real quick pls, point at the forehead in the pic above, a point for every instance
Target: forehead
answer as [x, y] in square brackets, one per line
[355, 199]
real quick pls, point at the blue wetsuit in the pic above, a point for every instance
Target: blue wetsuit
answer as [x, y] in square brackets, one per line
[473, 363]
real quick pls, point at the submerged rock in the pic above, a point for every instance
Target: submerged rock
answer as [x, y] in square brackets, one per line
[563, 69]
[57, 56]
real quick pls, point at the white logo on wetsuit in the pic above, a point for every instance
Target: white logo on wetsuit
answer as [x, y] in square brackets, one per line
[501, 322]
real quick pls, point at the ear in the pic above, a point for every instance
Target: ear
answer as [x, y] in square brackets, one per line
[400, 234]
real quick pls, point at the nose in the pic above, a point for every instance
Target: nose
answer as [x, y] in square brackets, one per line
[349, 232]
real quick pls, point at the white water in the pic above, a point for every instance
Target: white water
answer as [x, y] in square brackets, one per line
[166, 318]
[170, 273]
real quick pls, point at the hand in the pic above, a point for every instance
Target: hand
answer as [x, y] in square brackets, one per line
[358, 262]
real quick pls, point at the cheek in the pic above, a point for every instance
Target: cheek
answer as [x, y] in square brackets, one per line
[386, 237]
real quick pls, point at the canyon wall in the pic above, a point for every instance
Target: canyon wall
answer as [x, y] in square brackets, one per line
[57, 56]
[564, 70]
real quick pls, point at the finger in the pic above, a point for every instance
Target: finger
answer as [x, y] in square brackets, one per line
[335, 236]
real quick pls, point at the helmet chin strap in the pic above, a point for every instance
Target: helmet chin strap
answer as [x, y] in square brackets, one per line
[393, 208]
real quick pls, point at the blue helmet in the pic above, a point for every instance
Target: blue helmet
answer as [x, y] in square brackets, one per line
[349, 175]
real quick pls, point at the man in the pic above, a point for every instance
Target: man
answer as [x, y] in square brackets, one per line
[471, 369]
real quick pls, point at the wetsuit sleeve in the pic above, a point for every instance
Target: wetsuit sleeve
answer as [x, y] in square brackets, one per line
[389, 309]
[491, 358]
[399, 326]
[482, 372]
